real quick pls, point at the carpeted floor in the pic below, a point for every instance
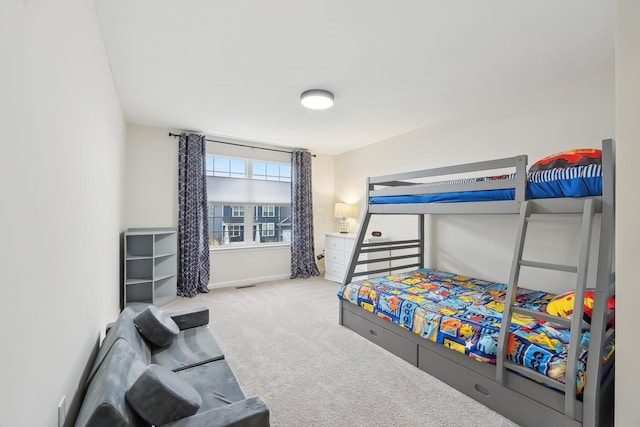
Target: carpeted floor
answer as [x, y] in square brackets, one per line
[284, 343]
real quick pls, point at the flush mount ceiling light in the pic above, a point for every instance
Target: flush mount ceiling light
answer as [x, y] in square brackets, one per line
[316, 99]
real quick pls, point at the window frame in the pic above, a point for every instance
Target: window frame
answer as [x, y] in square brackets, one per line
[283, 174]
[269, 175]
[238, 211]
[236, 230]
[269, 211]
[229, 171]
[245, 206]
[268, 229]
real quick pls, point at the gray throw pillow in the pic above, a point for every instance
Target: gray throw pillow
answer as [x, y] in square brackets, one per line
[156, 326]
[159, 396]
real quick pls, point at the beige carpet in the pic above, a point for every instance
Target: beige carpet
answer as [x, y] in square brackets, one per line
[284, 343]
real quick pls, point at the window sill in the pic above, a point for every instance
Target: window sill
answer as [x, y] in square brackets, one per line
[248, 246]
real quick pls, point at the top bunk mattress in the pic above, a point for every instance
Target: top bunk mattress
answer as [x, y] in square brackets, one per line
[465, 314]
[577, 181]
[570, 174]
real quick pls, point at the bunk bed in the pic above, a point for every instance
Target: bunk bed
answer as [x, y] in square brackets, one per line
[536, 370]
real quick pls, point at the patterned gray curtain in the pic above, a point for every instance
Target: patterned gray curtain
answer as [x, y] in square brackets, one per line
[193, 225]
[303, 262]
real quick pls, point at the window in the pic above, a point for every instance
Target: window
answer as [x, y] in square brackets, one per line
[268, 229]
[273, 228]
[268, 211]
[245, 168]
[271, 172]
[236, 231]
[249, 200]
[222, 166]
[226, 228]
[237, 211]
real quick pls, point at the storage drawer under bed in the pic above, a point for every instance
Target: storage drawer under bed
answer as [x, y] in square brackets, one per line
[383, 337]
[508, 402]
[450, 367]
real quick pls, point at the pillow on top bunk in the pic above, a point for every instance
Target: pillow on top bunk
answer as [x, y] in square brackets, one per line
[568, 159]
[573, 173]
[562, 305]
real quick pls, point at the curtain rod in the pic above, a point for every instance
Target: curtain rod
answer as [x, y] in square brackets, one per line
[240, 145]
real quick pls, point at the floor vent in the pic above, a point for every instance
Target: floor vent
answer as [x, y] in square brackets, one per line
[247, 286]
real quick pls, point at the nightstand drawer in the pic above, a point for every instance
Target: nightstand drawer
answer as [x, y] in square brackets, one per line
[337, 252]
[349, 245]
[334, 256]
[335, 272]
[335, 243]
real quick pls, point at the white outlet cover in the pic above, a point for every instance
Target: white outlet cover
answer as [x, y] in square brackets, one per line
[62, 411]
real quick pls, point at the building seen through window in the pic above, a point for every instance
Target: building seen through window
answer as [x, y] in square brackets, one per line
[268, 224]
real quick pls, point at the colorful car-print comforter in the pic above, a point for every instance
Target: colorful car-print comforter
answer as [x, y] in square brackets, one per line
[464, 314]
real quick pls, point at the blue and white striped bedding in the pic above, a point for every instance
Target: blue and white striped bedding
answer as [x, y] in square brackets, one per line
[578, 181]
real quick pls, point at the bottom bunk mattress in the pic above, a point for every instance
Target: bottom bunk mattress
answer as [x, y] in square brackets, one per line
[464, 314]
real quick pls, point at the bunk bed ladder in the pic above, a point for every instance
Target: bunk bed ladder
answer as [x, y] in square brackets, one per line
[601, 333]
[575, 323]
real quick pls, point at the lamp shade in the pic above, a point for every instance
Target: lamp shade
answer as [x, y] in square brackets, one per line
[344, 210]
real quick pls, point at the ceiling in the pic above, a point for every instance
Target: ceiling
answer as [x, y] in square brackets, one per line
[236, 68]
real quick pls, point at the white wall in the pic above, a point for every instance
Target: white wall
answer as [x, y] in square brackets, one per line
[323, 181]
[61, 180]
[152, 201]
[152, 178]
[627, 206]
[577, 114]
[246, 266]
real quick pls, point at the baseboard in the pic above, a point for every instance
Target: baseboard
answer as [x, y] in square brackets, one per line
[245, 282]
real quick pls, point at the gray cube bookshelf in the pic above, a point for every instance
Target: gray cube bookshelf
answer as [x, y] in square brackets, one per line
[150, 266]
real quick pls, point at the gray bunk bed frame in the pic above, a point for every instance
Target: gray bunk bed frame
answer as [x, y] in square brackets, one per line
[514, 391]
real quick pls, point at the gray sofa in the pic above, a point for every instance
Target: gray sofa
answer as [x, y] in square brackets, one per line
[157, 368]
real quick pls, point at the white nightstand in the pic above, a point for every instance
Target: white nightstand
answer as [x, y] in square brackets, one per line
[338, 248]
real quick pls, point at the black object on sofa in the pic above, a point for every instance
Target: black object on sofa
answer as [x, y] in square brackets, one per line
[184, 383]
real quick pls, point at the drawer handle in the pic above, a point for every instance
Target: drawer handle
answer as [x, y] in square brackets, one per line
[372, 332]
[482, 390]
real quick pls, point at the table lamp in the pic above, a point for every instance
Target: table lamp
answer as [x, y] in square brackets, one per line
[344, 211]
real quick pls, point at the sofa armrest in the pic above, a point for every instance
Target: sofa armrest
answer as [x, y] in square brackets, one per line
[251, 412]
[191, 318]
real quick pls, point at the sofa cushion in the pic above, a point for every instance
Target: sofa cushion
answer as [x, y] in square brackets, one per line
[156, 326]
[104, 403]
[160, 396]
[251, 412]
[124, 328]
[192, 347]
[215, 382]
[191, 317]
